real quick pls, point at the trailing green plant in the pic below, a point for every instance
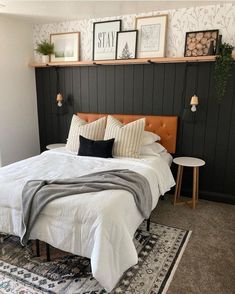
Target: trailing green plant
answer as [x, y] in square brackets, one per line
[223, 66]
[45, 48]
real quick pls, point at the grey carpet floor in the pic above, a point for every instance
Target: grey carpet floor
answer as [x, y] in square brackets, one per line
[208, 263]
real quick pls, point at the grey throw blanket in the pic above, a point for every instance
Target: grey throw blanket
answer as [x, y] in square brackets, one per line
[38, 193]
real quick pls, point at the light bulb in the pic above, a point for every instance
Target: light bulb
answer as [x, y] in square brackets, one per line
[193, 108]
[59, 99]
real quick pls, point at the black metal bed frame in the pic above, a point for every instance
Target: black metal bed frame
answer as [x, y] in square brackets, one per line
[48, 253]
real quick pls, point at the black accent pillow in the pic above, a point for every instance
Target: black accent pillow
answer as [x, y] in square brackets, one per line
[99, 148]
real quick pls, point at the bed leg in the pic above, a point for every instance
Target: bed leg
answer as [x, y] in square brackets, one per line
[148, 224]
[37, 247]
[48, 252]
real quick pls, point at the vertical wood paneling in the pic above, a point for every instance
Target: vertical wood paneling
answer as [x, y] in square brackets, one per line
[211, 133]
[159, 89]
[200, 116]
[139, 99]
[188, 127]
[68, 80]
[48, 108]
[54, 108]
[69, 99]
[148, 89]
[85, 89]
[110, 89]
[55, 121]
[61, 80]
[101, 89]
[229, 185]
[93, 101]
[47, 90]
[169, 86]
[119, 89]
[222, 138]
[62, 113]
[180, 72]
[179, 95]
[41, 106]
[53, 89]
[128, 88]
[76, 89]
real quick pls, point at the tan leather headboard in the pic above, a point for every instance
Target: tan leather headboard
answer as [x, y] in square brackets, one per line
[164, 126]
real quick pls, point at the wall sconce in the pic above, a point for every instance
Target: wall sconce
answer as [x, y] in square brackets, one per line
[194, 103]
[59, 99]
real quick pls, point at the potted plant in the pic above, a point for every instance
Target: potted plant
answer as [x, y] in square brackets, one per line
[45, 49]
[223, 66]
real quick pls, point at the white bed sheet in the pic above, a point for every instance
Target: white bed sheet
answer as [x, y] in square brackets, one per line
[164, 155]
[99, 225]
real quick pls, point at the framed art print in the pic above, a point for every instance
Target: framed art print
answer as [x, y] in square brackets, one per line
[200, 43]
[152, 36]
[66, 47]
[104, 39]
[126, 44]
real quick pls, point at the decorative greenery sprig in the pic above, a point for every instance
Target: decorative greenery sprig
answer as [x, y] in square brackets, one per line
[223, 66]
[45, 48]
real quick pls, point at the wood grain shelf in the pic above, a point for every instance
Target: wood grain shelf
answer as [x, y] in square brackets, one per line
[128, 61]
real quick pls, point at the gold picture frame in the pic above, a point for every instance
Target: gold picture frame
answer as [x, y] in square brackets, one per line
[66, 47]
[152, 35]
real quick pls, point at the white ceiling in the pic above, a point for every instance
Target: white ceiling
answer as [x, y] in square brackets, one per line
[53, 11]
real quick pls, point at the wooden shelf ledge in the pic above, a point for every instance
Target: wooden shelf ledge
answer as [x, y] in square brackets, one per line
[128, 61]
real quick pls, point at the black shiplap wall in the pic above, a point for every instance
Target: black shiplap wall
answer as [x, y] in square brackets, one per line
[158, 89]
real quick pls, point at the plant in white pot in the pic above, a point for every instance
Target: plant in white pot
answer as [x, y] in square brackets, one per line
[45, 49]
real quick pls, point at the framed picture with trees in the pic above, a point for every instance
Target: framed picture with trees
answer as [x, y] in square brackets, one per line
[126, 44]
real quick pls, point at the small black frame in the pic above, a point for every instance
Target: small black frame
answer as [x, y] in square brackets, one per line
[135, 45]
[197, 43]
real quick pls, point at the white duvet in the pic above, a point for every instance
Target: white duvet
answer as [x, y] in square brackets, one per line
[99, 225]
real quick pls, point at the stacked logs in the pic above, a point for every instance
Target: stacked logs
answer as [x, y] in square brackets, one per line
[198, 44]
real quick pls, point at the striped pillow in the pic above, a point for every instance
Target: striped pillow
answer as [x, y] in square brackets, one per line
[93, 131]
[127, 137]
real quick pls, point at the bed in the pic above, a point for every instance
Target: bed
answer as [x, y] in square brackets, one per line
[98, 225]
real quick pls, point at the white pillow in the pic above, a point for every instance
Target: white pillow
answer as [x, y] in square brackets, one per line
[127, 137]
[152, 149]
[149, 138]
[93, 131]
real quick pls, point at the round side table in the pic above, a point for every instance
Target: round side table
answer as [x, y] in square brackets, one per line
[182, 162]
[53, 146]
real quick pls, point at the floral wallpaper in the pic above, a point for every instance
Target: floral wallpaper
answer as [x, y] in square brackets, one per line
[180, 21]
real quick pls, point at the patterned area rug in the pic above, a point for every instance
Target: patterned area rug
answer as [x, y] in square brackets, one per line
[159, 251]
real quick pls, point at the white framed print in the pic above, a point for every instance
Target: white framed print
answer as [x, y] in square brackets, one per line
[152, 36]
[66, 47]
[105, 38]
[126, 44]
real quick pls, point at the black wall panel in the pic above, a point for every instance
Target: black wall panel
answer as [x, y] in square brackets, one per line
[158, 89]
